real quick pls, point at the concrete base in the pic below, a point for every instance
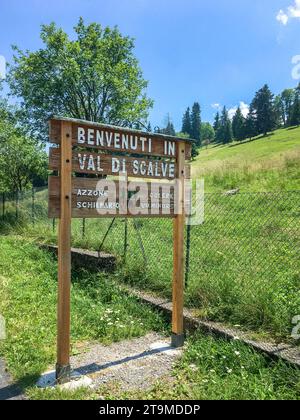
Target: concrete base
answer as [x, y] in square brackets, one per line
[48, 380]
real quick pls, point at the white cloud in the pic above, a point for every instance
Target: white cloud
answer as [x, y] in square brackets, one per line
[292, 12]
[244, 108]
[282, 17]
[216, 106]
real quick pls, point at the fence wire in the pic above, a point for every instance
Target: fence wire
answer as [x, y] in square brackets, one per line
[242, 263]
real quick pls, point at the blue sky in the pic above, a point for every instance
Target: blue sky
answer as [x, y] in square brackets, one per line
[215, 52]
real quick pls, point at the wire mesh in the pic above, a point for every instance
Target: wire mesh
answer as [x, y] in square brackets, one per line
[243, 261]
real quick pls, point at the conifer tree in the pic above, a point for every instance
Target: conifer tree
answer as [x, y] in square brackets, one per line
[295, 118]
[238, 125]
[186, 122]
[263, 104]
[196, 124]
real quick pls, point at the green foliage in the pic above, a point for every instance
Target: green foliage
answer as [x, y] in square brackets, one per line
[207, 134]
[214, 369]
[295, 117]
[22, 161]
[238, 125]
[263, 106]
[224, 133]
[186, 122]
[93, 77]
[100, 309]
[196, 124]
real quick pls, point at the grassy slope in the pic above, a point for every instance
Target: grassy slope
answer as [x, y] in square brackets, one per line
[209, 369]
[263, 164]
[100, 311]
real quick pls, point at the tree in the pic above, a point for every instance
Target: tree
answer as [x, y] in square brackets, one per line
[169, 127]
[217, 126]
[93, 77]
[238, 125]
[225, 131]
[295, 118]
[279, 113]
[186, 122]
[21, 160]
[250, 124]
[263, 104]
[287, 99]
[207, 133]
[196, 123]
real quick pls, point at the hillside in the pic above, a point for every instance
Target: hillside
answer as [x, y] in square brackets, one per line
[269, 163]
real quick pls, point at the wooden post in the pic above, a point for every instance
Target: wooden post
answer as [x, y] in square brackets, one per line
[63, 370]
[178, 254]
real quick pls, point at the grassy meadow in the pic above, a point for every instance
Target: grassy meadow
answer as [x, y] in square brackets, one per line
[245, 257]
[263, 164]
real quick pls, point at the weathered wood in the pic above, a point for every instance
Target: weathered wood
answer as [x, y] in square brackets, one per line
[178, 253]
[107, 137]
[64, 257]
[103, 164]
[86, 191]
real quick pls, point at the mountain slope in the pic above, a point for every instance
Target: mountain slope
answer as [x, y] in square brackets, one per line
[269, 163]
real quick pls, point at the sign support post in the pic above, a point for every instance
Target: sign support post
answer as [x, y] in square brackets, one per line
[63, 370]
[178, 253]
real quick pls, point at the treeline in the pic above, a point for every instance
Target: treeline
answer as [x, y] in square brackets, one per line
[267, 112]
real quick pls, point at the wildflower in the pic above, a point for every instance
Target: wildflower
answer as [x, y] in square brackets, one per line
[237, 353]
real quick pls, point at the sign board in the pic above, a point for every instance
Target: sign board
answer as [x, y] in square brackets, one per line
[91, 198]
[87, 159]
[103, 164]
[117, 139]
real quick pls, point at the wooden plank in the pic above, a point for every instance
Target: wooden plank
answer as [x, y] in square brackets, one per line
[178, 251]
[106, 137]
[103, 164]
[64, 257]
[156, 201]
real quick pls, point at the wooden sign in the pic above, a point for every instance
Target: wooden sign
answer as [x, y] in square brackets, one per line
[103, 164]
[98, 151]
[90, 199]
[117, 139]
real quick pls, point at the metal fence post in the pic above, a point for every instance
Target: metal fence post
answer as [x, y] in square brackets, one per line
[17, 205]
[33, 206]
[188, 253]
[3, 205]
[83, 228]
[125, 239]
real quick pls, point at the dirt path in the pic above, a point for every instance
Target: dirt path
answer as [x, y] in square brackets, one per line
[128, 365]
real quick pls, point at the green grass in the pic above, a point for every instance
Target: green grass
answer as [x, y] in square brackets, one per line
[210, 369]
[213, 369]
[28, 287]
[264, 164]
[245, 258]
[244, 262]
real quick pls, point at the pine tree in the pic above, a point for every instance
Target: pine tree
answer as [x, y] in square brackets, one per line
[279, 112]
[169, 127]
[295, 118]
[186, 122]
[250, 125]
[217, 125]
[238, 125]
[263, 104]
[225, 130]
[287, 99]
[196, 124]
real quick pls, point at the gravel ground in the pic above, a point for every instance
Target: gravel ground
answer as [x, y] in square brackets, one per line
[129, 365]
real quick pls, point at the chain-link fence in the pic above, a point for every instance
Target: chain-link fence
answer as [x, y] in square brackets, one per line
[242, 263]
